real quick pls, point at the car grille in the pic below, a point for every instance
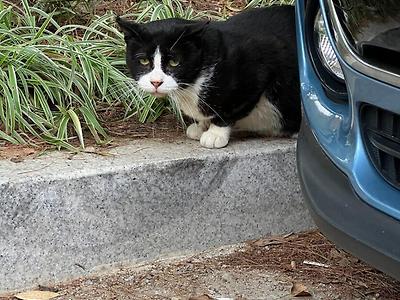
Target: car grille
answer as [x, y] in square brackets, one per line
[381, 131]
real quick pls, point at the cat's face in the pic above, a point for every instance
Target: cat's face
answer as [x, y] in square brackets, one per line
[163, 56]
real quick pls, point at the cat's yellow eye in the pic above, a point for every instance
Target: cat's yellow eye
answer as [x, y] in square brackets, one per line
[173, 63]
[144, 61]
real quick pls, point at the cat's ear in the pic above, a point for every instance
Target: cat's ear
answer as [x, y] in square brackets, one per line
[191, 32]
[130, 29]
[196, 29]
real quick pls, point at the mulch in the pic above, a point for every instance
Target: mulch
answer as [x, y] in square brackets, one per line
[307, 259]
[309, 256]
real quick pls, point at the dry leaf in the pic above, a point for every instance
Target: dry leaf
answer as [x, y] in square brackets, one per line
[202, 297]
[299, 290]
[272, 240]
[36, 295]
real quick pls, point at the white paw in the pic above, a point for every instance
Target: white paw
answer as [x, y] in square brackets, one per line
[194, 131]
[215, 137]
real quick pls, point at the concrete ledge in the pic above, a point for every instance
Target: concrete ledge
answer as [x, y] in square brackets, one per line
[61, 217]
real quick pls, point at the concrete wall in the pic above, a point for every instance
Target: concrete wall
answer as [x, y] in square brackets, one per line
[61, 217]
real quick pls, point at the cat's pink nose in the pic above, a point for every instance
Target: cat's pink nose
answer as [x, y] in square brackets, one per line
[156, 83]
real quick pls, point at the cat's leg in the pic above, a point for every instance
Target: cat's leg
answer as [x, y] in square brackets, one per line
[195, 130]
[215, 136]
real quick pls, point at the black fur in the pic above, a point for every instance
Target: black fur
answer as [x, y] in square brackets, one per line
[253, 53]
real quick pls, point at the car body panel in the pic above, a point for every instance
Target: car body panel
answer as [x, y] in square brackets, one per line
[336, 125]
[340, 214]
[349, 199]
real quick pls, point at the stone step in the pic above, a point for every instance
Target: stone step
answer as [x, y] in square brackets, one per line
[62, 216]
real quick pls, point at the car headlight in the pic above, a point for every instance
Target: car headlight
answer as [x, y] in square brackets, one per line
[325, 51]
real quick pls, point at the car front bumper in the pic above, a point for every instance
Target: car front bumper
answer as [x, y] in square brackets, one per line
[339, 212]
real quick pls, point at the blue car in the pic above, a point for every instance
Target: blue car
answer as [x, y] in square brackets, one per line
[348, 150]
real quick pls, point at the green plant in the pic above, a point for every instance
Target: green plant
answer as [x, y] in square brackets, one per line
[51, 82]
[54, 78]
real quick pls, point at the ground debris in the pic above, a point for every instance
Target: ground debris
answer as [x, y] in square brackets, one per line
[316, 260]
[36, 295]
[314, 263]
[299, 290]
[247, 271]
[202, 297]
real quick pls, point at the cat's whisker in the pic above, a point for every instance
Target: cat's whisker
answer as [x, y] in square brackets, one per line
[187, 93]
[201, 101]
[189, 107]
[174, 97]
[204, 86]
[140, 55]
[126, 88]
[180, 95]
[186, 84]
[186, 104]
[177, 41]
[175, 106]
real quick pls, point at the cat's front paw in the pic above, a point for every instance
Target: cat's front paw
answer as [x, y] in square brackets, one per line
[215, 137]
[194, 131]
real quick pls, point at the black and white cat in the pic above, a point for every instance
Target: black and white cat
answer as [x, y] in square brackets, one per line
[226, 75]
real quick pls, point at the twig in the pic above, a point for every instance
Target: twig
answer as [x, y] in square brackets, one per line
[314, 263]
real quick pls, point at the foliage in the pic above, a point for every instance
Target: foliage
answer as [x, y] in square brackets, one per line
[54, 78]
[52, 81]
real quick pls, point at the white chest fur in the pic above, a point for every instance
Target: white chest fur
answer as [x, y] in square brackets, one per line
[189, 99]
[188, 102]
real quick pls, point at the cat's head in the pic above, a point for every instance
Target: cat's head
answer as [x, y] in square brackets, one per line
[163, 56]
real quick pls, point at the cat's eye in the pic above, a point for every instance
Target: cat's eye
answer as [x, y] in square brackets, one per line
[173, 63]
[144, 61]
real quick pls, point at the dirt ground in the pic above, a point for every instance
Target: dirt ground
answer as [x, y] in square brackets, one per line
[218, 7]
[278, 267]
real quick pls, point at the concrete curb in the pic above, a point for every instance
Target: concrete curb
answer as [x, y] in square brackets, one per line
[60, 217]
